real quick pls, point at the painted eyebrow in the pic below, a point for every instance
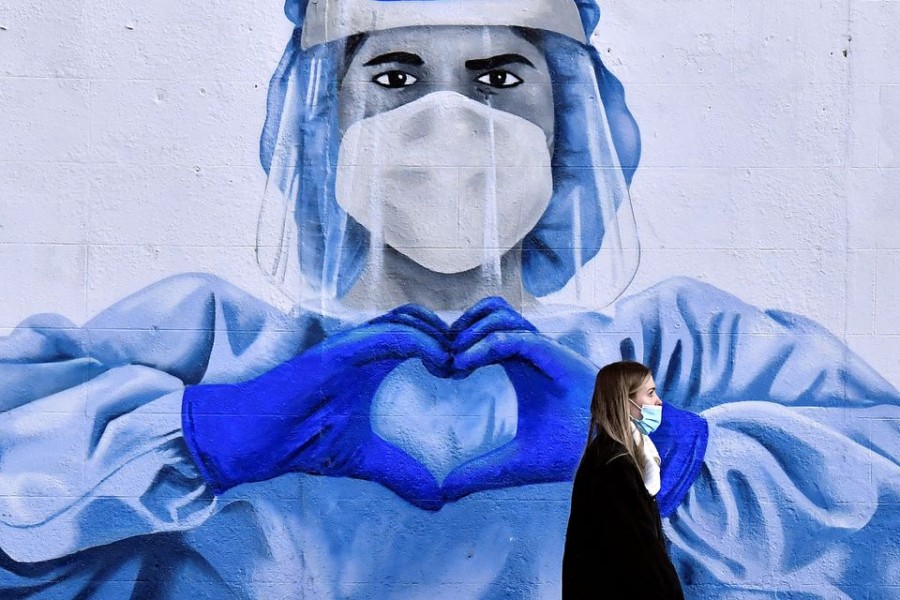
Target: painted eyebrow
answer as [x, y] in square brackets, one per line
[406, 58]
[485, 64]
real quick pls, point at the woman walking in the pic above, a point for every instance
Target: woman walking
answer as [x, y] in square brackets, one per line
[614, 541]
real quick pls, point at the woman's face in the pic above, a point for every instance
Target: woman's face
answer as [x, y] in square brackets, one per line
[645, 396]
[492, 65]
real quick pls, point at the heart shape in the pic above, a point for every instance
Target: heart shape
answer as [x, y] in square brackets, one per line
[445, 417]
[444, 421]
[474, 404]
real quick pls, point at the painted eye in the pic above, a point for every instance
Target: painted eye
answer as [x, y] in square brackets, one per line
[394, 79]
[500, 79]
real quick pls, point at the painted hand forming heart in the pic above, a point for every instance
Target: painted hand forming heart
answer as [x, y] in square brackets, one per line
[312, 414]
[552, 387]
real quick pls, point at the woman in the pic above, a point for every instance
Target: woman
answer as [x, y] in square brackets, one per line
[615, 532]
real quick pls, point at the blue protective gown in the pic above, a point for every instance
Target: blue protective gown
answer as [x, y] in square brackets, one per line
[798, 494]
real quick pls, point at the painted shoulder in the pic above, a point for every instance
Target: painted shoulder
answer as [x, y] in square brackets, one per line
[200, 328]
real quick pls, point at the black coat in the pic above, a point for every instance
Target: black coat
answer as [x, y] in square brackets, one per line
[614, 542]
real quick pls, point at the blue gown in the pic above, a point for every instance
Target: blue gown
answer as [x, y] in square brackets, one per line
[798, 494]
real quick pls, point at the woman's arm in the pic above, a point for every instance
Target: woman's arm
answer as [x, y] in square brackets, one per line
[629, 532]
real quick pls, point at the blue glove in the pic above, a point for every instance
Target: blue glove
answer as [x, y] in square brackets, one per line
[312, 413]
[553, 385]
[681, 441]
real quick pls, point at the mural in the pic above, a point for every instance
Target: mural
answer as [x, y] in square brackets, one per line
[448, 209]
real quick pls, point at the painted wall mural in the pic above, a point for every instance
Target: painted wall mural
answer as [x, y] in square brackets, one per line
[448, 236]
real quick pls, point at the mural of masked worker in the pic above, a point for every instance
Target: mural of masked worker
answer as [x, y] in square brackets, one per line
[447, 209]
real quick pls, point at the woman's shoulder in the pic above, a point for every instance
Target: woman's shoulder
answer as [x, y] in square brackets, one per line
[606, 465]
[604, 452]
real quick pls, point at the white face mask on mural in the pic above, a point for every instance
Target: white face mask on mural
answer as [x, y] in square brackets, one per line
[447, 181]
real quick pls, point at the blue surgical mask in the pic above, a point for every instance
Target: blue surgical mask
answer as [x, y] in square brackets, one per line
[651, 417]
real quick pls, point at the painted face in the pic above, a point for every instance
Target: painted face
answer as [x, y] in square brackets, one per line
[495, 66]
[645, 396]
[443, 130]
[451, 150]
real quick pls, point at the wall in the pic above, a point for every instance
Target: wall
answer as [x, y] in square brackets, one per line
[770, 146]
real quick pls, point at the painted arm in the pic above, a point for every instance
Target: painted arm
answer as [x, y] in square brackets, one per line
[98, 460]
[91, 447]
[707, 347]
[799, 481]
[792, 501]
[311, 414]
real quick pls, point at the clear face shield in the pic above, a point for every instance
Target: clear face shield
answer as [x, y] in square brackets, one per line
[442, 164]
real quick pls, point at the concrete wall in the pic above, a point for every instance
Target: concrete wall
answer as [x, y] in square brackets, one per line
[129, 152]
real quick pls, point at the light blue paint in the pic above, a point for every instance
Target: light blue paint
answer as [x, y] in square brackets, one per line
[795, 490]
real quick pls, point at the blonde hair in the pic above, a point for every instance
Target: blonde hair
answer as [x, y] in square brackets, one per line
[616, 384]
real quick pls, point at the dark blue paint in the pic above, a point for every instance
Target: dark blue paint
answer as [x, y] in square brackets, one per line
[681, 441]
